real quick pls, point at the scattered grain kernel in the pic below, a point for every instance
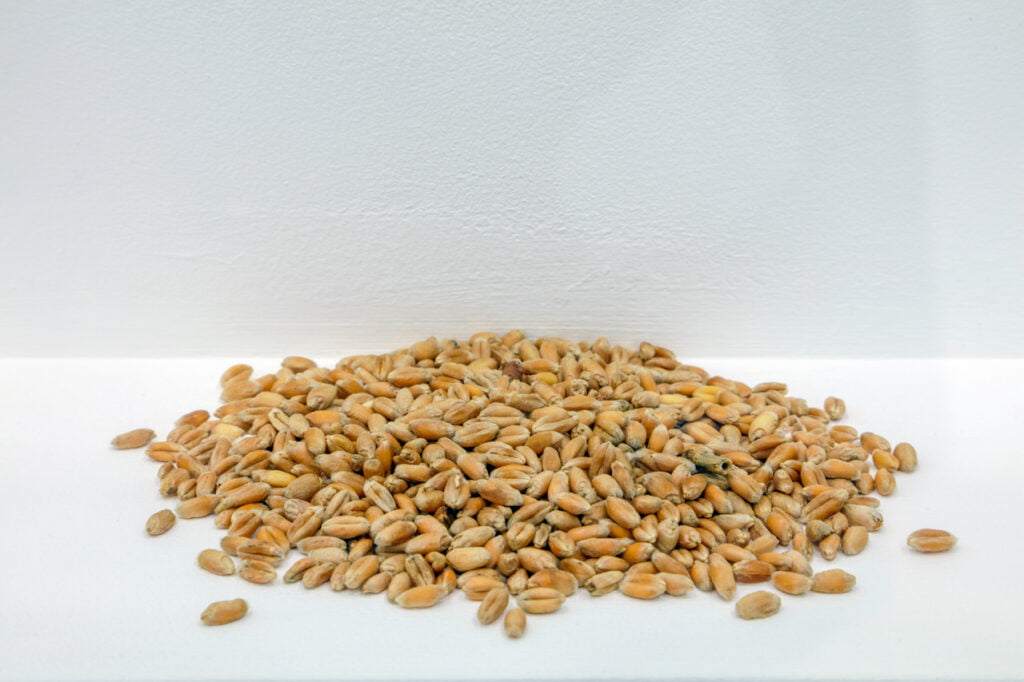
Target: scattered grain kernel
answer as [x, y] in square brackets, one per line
[758, 604]
[216, 562]
[791, 582]
[136, 438]
[930, 540]
[515, 623]
[833, 581]
[224, 612]
[160, 522]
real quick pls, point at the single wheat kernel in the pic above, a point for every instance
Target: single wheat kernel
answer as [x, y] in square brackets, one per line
[160, 522]
[833, 581]
[790, 582]
[758, 604]
[493, 605]
[855, 539]
[136, 438]
[224, 612]
[515, 623]
[906, 455]
[930, 540]
[539, 600]
[420, 597]
[216, 562]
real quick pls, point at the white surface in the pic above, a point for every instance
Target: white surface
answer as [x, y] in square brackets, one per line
[87, 595]
[191, 178]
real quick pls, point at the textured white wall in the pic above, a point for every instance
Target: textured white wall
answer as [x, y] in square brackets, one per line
[241, 178]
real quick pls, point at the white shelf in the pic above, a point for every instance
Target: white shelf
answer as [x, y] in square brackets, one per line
[87, 595]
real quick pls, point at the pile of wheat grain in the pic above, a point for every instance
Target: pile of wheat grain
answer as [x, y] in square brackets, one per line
[515, 468]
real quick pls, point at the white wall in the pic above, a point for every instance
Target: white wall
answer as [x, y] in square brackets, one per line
[241, 178]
